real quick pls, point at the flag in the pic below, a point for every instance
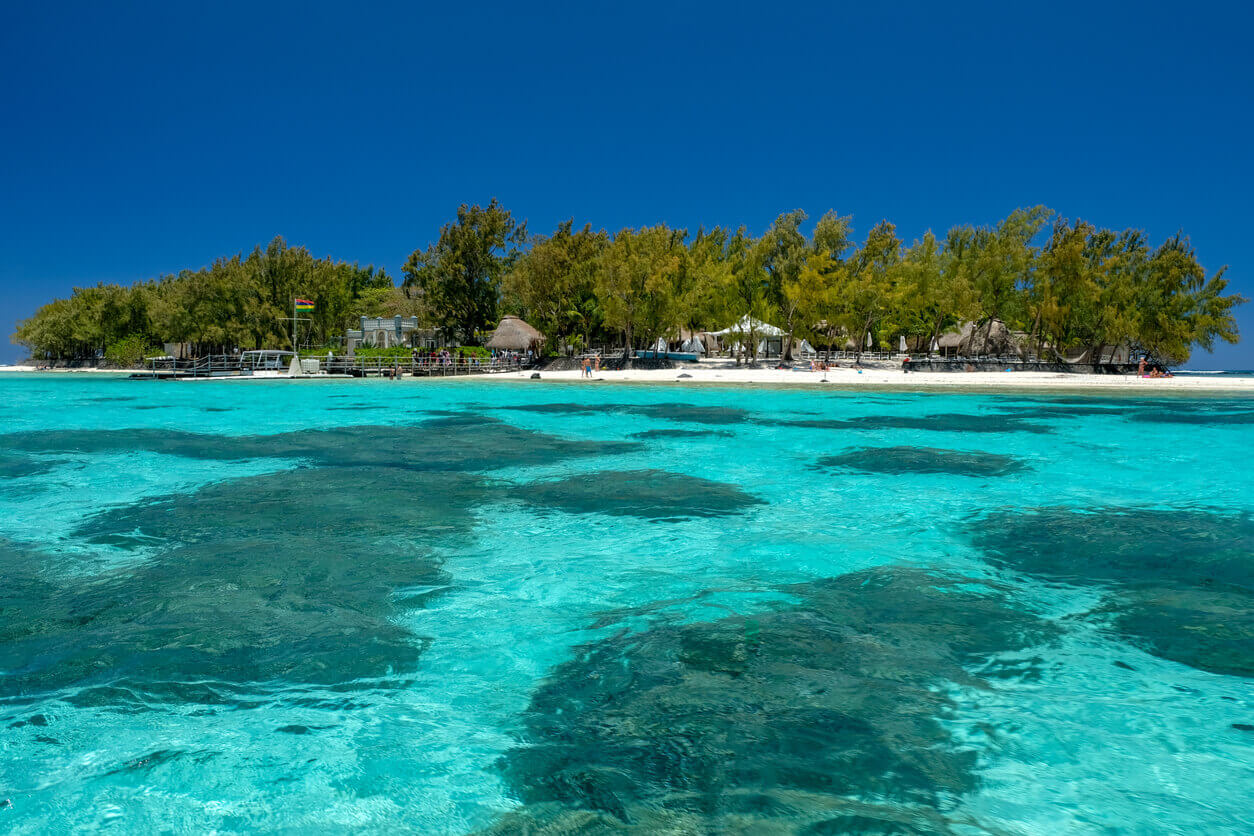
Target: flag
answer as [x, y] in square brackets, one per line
[304, 305]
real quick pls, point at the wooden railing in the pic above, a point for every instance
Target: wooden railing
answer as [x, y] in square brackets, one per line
[244, 365]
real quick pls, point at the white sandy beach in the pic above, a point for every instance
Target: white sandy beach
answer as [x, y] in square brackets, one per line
[727, 373]
[714, 373]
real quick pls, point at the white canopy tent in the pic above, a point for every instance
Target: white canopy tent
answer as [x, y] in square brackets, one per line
[770, 338]
[748, 325]
[694, 346]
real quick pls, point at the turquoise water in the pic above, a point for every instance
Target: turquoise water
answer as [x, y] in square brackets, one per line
[458, 606]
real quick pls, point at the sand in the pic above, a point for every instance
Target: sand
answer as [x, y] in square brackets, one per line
[728, 374]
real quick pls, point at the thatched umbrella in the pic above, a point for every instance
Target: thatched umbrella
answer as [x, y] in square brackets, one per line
[952, 340]
[512, 334]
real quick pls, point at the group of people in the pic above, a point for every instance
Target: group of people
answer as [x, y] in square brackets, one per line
[432, 357]
[511, 357]
[1154, 371]
[590, 364]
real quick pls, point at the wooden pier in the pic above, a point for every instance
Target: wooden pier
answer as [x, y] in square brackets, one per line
[277, 368]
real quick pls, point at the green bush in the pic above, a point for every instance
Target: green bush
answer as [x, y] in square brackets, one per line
[129, 352]
[404, 352]
[400, 352]
[321, 353]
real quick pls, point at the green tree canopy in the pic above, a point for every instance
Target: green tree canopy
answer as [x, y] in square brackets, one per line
[459, 276]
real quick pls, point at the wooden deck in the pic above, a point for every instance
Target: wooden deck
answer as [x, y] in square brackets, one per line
[236, 366]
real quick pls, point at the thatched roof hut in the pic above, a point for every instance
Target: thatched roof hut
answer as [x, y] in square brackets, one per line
[973, 339]
[512, 334]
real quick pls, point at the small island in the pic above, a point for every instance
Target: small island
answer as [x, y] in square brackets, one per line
[1036, 293]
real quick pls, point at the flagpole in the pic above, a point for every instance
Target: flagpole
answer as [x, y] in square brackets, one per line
[294, 325]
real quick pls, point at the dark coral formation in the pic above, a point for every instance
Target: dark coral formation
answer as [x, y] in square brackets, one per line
[896, 460]
[651, 435]
[464, 442]
[824, 714]
[1182, 581]
[261, 583]
[650, 494]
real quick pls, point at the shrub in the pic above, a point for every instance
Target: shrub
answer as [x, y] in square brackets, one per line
[129, 352]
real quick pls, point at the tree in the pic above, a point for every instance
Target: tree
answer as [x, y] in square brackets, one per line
[997, 262]
[783, 253]
[749, 292]
[552, 284]
[1178, 307]
[637, 282]
[459, 276]
[708, 276]
[810, 299]
[929, 293]
[865, 283]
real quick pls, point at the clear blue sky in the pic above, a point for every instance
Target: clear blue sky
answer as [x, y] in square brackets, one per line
[138, 139]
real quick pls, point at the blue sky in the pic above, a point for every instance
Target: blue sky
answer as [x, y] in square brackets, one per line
[145, 138]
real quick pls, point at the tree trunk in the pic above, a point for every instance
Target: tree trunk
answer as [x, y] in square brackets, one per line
[866, 329]
[935, 334]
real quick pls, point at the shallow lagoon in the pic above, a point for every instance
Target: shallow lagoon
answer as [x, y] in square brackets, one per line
[482, 606]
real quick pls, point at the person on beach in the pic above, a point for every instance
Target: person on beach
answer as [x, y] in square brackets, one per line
[1140, 369]
[587, 368]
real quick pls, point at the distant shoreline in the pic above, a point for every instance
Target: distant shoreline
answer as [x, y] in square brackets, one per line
[889, 379]
[840, 378]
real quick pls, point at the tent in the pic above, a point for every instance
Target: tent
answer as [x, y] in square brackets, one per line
[694, 345]
[749, 325]
[803, 349]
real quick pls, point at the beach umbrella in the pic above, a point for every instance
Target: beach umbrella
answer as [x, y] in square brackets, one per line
[902, 344]
[935, 346]
[868, 339]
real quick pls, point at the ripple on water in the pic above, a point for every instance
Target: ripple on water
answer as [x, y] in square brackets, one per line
[681, 412]
[946, 422]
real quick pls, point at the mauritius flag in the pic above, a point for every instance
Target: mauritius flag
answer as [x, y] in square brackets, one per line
[304, 305]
